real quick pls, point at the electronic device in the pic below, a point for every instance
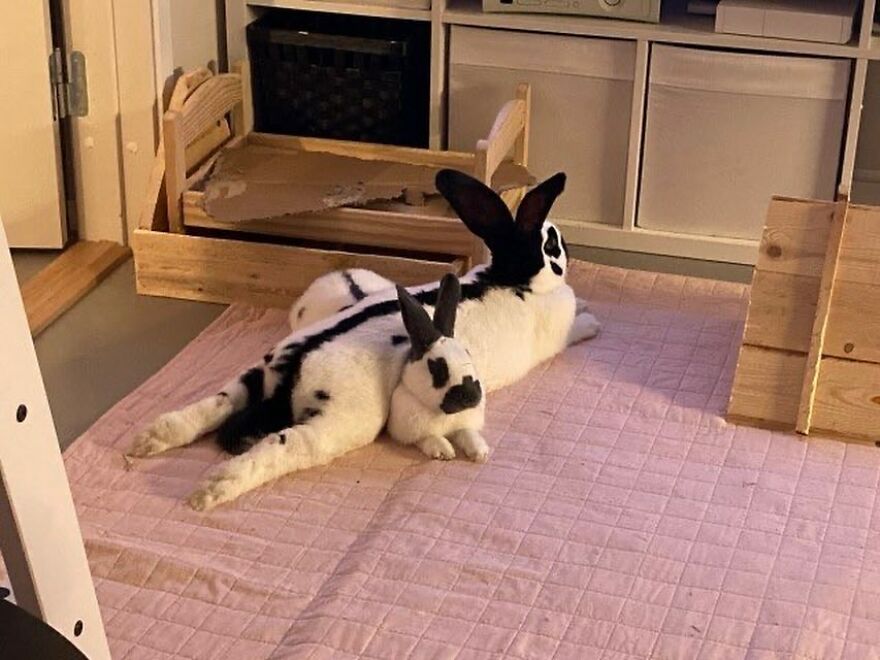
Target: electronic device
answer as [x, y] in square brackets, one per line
[830, 21]
[633, 10]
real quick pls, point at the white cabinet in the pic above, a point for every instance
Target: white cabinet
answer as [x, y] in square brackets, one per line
[581, 98]
[726, 131]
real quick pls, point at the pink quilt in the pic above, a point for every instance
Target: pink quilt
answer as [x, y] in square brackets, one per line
[618, 515]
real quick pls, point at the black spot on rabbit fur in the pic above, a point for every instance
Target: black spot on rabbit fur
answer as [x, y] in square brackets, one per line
[461, 397]
[356, 291]
[267, 358]
[397, 340]
[551, 245]
[439, 372]
[556, 268]
[322, 395]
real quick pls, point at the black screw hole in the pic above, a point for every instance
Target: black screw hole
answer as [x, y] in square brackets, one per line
[848, 347]
[21, 413]
[877, 443]
[77, 628]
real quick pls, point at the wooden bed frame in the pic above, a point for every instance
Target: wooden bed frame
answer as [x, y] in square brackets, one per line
[183, 252]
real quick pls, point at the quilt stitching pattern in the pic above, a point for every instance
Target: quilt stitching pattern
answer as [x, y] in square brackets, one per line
[618, 515]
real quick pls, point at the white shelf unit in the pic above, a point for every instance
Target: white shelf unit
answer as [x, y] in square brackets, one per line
[680, 29]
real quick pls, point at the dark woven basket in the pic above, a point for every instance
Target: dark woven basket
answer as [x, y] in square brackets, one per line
[348, 78]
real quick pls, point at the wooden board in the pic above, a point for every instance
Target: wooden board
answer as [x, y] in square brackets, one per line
[767, 387]
[225, 270]
[781, 310]
[810, 358]
[836, 235]
[795, 236]
[78, 270]
[356, 226]
[848, 399]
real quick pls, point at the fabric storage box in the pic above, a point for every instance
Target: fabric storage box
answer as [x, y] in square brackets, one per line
[340, 77]
[726, 131]
[581, 97]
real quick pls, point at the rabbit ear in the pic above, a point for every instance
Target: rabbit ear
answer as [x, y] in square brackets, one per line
[478, 206]
[535, 206]
[447, 304]
[419, 327]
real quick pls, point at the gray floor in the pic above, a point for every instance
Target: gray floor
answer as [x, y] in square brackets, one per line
[108, 344]
[113, 339]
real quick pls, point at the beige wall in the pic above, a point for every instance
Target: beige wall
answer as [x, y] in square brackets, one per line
[186, 38]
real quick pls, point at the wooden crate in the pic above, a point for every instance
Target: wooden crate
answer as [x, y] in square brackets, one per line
[810, 359]
[181, 251]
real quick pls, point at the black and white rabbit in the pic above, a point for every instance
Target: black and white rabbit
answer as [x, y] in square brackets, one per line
[326, 389]
[335, 292]
[438, 404]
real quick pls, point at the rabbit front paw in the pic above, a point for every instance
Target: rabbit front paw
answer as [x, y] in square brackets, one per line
[585, 326]
[435, 446]
[472, 444]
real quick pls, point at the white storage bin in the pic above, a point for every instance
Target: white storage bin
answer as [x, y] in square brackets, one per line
[581, 98]
[726, 131]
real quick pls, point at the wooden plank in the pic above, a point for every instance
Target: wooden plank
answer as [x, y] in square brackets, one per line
[860, 256]
[854, 323]
[848, 399]
[781, 311]
[795, 236]
[357, 226]
[69, 277]
[367, 151]
[505, 132]
[224, 270]
[154, 213]
[820, 322]
[243, 113]
[214, 99]
[175, 168]
[767, 387]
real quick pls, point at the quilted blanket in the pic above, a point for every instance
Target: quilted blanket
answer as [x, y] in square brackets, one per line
[618, 515]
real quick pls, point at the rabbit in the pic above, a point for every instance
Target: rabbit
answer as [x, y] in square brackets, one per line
[326, 389]
[439, 401]
[335, 292]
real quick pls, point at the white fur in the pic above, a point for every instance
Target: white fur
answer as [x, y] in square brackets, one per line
[506, 336]
[331, 293]
[416, 417]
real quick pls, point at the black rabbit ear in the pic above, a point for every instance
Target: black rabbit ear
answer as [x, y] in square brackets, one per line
[478, 206]
[536, 205]
[419, 327]
[447, 304]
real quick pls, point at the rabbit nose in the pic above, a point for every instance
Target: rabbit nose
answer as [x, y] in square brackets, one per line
[461, 397]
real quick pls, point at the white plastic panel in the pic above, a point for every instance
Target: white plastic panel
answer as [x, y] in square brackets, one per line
[726, 131]
[581, 98]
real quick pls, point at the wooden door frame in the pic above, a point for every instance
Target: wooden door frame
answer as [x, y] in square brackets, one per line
[114, 145]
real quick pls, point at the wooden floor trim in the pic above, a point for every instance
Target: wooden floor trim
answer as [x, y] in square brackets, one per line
[70, 276]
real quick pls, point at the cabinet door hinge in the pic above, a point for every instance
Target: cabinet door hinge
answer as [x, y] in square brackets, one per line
[67, 76]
